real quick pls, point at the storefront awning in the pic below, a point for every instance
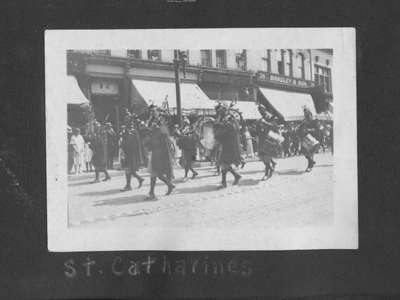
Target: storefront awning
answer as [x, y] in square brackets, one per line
[159, 93]
[72, 92]
[290, 105]
[248, 109]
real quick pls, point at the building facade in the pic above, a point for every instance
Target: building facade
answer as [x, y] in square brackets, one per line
[115, 79]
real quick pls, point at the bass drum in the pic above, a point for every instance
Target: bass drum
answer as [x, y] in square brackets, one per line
[205, 132]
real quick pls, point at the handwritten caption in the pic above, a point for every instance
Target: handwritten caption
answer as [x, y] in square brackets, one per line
[152, 265]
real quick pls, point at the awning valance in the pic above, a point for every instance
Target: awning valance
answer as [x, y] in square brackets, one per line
[158, 93]
[290, 105]
[71, 91]
[248, 109]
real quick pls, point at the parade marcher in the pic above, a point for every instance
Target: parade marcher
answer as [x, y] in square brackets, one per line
[226, 133]
[160, 158]
[287, 142]
[78, 147]
[266, 147]
[132, 153]
[309, 144]
[187, 142]
[98, 145]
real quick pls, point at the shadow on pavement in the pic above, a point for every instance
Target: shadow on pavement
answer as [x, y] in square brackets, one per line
[290, 172]
[122, 200]
[102, 193]
[323, 166]
[247, 182]
[80, 183]
[197, 189]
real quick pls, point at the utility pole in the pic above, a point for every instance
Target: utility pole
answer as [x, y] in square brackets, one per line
[178, 87]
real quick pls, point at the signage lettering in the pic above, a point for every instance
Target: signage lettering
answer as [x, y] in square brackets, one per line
[283, 79]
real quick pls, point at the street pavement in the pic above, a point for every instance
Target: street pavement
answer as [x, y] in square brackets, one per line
[291, 198]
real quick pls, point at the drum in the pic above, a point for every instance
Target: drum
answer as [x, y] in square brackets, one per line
[309, 142]
[207, 138]
[205, 131]
[275, 138]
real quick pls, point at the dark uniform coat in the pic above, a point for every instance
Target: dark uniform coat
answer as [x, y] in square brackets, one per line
[308, 127]
[267, 149]
[227, 136]
[99, 158]
[187, 142]
[133, 155]
[160, 162]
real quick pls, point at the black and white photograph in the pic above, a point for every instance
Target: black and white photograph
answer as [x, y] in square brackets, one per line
[213, 139]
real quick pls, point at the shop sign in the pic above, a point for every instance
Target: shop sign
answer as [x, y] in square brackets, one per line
[263, 76]
[104, 87]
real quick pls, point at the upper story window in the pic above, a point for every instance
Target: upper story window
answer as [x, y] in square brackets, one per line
[322, 76]
[301, 65]
[290, 62]
[267, 61]
[281, 63]
[220, 59]
[154, 54]
[206, 58]
[184, 56]
[241, 60]
[134, 53]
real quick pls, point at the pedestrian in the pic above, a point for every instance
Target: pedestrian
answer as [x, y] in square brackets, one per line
[87, 156]
[249, 143]
[132, 154]
[98, 146]
[160, 157]
[226, 133]
[267, 146]
[78, 145]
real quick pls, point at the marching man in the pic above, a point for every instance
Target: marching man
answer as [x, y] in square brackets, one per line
[133, 156]
[226, 133]
[309, 144]
[187, 142]
[267, 146]
[161, 159]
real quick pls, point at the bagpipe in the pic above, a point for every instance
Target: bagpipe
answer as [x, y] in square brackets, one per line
[206, 127]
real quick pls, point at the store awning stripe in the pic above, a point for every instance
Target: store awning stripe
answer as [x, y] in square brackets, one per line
[72, 93]
[157, 92]
[248, 109]
[289, 104]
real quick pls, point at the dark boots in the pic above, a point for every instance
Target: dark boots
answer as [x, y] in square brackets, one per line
[232, 171]
[152, 186]
[128, 178]
[311, 163]
[236, 175]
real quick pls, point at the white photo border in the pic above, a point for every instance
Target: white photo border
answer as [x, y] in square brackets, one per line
[343, 234]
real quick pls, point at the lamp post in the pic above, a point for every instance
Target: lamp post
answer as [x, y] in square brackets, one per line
[179, 59]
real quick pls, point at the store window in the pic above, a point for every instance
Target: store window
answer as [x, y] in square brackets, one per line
[134, 53]
[154, 54]
[267, 61]
[322, 77]
[206, 58]
[220, 59]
